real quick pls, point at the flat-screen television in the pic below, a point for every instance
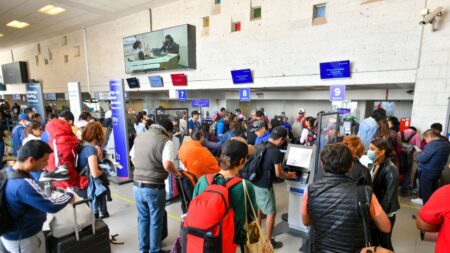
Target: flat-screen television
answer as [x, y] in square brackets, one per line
[15, 72]
[133, 82]
[165, 49]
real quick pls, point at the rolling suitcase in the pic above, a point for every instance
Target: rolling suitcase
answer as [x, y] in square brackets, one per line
[93, 239]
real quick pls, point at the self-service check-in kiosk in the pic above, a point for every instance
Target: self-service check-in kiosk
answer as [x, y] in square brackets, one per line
[300, 159]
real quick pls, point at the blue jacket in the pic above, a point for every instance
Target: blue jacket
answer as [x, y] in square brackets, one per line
[25, 197]
[17, 137]
[265, 137]
[434, 156]
[367, 130]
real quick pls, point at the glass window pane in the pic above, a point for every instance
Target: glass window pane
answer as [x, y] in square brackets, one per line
[320, 11]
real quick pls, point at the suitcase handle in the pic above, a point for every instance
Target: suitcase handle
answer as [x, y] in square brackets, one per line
[74, 205]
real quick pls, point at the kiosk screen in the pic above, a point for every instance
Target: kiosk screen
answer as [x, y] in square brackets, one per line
[299, 156]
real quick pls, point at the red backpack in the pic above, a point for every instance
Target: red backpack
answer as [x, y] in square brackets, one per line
[67, 145]
[209, 224]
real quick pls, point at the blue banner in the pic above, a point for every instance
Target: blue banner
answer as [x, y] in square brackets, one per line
[343, 111]
[242, 76]
[35, 100]
[337, 92]
[182, 95]
[244, 94]
[200, 103]
[337, 69]
[119, 126]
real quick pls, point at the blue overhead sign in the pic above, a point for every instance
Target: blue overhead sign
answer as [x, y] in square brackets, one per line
[182, 95]
[337, 92]
[242, 76]
[200, 103]
[337, 69]
[244, 94]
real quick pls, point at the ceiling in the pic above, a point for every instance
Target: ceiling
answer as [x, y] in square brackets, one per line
[78, 14]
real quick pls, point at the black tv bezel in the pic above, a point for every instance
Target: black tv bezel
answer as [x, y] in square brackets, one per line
[192, 50]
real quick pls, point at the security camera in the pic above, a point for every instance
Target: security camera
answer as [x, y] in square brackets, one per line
[430, 18]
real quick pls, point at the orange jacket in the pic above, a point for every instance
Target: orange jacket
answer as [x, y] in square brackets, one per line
[197, 159]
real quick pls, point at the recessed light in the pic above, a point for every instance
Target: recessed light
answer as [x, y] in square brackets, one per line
[17, 24]
[1, 35]
[51, 9]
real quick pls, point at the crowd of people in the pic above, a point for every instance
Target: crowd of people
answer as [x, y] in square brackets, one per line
[350, 196]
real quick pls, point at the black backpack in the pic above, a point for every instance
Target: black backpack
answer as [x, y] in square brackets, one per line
[6, 220]
[253, 167]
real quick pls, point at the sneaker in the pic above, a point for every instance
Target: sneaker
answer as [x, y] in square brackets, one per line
[61, 173]
[417, 201]
[275, 244]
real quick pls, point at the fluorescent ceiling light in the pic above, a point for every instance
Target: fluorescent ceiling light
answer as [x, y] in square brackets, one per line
[17, 24]
[51, 10]
[1, 35]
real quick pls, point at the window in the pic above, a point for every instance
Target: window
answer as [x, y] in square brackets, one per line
[205, 22]
[319, 14]
[236, 26]
[320, 10]
[256, 13]
[217, 1]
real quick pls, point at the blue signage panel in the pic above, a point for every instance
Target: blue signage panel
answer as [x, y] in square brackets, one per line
[182, 95]
[244, 94]
[35, 99]
[16, 97]
[119, 126]
[242, 76]
[337, 69]
[200, 103]
[343, 111]
[155, 81]
[337, 92]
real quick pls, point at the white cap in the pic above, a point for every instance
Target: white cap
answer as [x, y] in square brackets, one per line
[301, 110]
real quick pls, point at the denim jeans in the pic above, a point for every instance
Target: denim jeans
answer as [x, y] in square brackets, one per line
[150, 203]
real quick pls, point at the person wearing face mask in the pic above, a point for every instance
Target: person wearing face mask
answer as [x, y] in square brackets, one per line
[385, 180]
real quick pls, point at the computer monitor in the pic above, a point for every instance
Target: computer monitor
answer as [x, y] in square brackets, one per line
[299, 156]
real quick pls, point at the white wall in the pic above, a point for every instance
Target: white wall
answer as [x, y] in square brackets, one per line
[283, 49]
[433, 78]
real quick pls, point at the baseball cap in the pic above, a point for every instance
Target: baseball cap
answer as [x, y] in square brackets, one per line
[251, 148]
[234, 149]
[278, 132]
[22, 116]
[256, 125]
[301, 110]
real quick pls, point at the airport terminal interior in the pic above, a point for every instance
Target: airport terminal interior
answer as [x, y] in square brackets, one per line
[157, 76]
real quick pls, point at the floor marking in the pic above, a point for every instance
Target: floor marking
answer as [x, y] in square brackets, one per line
[134, 203]
[409, 206]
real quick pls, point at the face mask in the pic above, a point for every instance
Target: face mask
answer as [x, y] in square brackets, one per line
[371, 154]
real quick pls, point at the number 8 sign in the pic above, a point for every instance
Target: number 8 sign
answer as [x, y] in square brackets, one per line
[244, 94]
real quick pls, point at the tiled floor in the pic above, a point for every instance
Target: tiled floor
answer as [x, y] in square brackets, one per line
[123, 221]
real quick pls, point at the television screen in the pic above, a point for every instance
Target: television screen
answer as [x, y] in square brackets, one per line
[133, 83]
[166, 49]
[15, 72]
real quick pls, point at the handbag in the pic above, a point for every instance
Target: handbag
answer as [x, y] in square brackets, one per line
[257, 242]
[363, 206]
